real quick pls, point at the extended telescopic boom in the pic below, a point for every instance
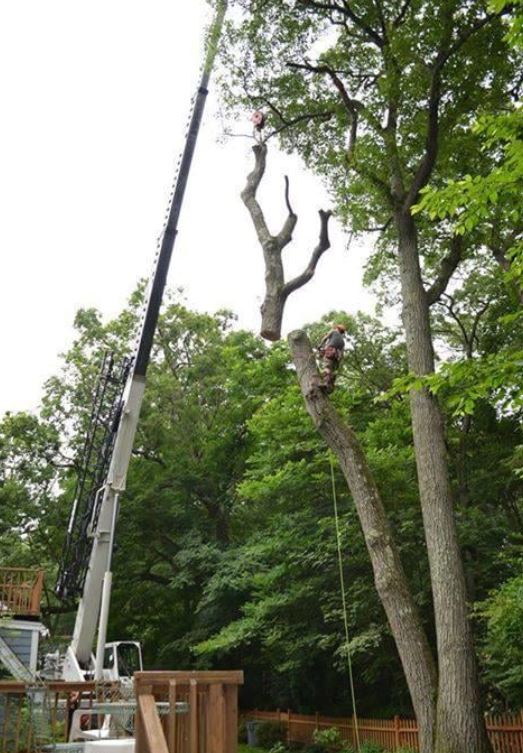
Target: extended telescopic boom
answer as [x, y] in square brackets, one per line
[105, 511]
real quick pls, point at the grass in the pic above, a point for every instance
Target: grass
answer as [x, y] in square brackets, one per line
[243, 748]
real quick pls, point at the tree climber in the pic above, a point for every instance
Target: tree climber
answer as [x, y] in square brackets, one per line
[258, 121]
[330, 350]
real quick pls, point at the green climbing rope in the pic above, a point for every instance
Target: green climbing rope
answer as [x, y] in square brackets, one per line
[344, 607]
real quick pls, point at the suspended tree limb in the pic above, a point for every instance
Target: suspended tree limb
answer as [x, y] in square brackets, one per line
[323, 245]
[389, 576]
[276, 289]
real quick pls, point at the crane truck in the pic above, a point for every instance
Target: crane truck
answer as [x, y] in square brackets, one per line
[85, 571]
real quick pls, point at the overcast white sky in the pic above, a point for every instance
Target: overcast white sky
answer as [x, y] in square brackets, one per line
[94, 100]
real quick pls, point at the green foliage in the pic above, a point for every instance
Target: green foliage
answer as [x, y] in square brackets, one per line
[269, 734]
[226, 546]
[328, 741]
[502, 649]
[279, 748]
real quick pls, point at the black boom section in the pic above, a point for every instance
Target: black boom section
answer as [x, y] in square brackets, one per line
[154, 301]
[94, 465]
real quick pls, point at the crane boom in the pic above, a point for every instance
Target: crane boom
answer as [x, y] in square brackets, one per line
[105, 501]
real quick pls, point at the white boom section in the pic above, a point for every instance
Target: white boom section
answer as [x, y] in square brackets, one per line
[79, 651]
[89, 607]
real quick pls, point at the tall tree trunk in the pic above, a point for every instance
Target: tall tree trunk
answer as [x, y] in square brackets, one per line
[460, 727]
[391, 583]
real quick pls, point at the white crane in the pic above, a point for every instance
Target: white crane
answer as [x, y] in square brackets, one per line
[86, 570]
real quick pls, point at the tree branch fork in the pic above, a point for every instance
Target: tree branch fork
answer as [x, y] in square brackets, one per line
[277, 289]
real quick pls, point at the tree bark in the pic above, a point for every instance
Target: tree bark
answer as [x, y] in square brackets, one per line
[389, 576]
[276, 289]
[460, 726]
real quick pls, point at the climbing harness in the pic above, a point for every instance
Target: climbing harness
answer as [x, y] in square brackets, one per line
[344, 606]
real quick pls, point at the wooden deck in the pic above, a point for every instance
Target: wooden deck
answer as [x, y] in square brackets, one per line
[20, 591]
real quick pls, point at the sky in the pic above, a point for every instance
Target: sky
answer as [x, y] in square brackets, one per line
[95, 97]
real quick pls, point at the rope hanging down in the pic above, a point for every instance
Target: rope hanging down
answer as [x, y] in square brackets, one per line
[344, 607]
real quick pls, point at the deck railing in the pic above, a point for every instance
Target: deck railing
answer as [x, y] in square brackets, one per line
[211, 724]
[199, 712]
[20, 591]
[19, 729]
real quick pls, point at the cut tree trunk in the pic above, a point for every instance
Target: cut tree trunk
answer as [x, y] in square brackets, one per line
[276, 289]
[389, 576]
[460, 726]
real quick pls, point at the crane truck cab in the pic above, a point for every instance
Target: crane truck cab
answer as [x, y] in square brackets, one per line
[121, 660]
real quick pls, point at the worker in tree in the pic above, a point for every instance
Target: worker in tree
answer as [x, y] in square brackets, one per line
[331, 352]
[258, 121]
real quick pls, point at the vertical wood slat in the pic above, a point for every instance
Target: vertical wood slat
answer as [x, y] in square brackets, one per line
[171, 734]
[139, 730]
[151, 725]
[396, 732]
[231, 718]
[193, 716]
[216, 729]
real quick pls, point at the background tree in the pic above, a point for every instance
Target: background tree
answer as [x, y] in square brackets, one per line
[226, 552]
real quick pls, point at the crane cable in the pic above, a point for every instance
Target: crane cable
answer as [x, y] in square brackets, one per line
[344, 607]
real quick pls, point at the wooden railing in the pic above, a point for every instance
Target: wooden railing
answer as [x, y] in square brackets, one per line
[20, 591]
[505, 730]
[210, 724]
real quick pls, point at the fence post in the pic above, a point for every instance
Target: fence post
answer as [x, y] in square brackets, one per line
[396, 732]
[317, 721]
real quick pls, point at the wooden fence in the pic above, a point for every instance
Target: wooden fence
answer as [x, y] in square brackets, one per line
[505, 730]
[20, 591]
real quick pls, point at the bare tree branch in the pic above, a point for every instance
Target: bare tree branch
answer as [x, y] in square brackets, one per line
[276, 289]
[447, 49]
[351, 105]
[402, 13]
[249, 194]
[345, 9]
[284, 237]
[447, 268]
[323, 245]
[323, 115]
